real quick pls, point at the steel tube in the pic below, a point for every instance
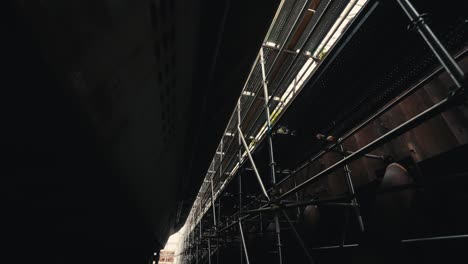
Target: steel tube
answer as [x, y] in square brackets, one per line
[413, 122]
[370, 156]
[404, 241]
[239, 174]
[287, 51]
[235, 222]
[345, 228]
[293, 205]
[298, 237]
[278, 11]
[290, 66]
[243, 242]
[338, 246]
[213, 203]
[253, 163]
[338, 50]
[209, 251]
[334, 201]
[278, 238]
[352, 3]
[216, 230]
[423, 239]
[350, 185]
[396, 101]
[298, 213]
[197, 243]
[433, 42]
[268, 121]
[294, 60]
[407, 125]
[270, 148]
[289, 35]
[410, 10]
[309, 36]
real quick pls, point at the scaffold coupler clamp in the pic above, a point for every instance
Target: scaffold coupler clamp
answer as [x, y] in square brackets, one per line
[420, 20]
[274, 201]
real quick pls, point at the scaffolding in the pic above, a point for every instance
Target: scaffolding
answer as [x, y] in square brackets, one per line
[301, 35]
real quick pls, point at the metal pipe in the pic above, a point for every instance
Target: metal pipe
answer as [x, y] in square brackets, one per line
[413, 240]
[230, 161]
[286, 51]
[312, 202]
[243, 242]
[338, 25]
[433, 42]
[219, 168]
[338, 50]
[345, 228]
[419, 22]
[350, 185]
[190, 245]
[278, 11]
[309, 36]
[338, 246]
[209, 251]
[213, 203]
[201, 222]
[404, 241]
[290, 66]
[197, 243]
[253, 163]
[331, 202]
[268, 121]
[295, 56]
[216, 230]
[297, 198]
[221, 159]
[289, 35]
[270, 149]
[346, 41]
[278, 238]
[370, 156]
[411, 123]
[396, 101]
[298, 237]
[240, 210]
[239, 175]
[247, 81]
[239, 139]
[236, 221]
[261, 223]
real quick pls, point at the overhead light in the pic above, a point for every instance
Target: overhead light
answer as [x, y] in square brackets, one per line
[270, 44]
[284, 130]
[248, 93]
